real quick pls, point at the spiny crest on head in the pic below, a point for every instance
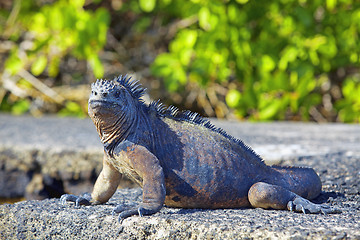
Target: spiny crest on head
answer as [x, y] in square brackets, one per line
[103, 86]
[133, 86]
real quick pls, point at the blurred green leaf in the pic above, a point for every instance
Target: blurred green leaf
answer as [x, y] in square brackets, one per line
[242, 1]
[72, 109]
[96, 65]
[330, 4]
[13, 64]
[233, 98]
[39, 65]
[270, 109]
[53, 66]
[142, 24]
[267, 63]
[349, 106]
[147, 5]
[204, 18]
[77, 3]
[20, 107]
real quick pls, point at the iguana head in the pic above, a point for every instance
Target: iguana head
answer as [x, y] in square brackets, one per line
[113, 107]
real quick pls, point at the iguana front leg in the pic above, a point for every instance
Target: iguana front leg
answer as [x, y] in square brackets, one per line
[142, 163]
[105, 186]
[266, 196]
[145, 165]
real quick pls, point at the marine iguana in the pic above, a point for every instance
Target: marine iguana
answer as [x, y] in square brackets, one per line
[181, 160]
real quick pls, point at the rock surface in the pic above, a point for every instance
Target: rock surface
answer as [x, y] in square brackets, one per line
[48, 219]
[50, 154]
[46, 157]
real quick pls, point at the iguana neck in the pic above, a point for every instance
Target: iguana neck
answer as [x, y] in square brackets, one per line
[114, 130]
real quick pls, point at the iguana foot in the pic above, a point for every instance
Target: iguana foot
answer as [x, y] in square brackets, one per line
[300, 204]
[126, 212]
[78, 200]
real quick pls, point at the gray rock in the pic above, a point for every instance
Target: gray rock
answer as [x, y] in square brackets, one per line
[47, 156]
[48, 219]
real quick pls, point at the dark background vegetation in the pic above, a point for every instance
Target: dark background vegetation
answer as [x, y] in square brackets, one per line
[258, 60]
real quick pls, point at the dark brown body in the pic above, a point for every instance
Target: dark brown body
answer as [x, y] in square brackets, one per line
[204, 169]
[181, 160]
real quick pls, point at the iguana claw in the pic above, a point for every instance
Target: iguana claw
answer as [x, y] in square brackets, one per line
[127, 212]
[300, 204]
[78, 200]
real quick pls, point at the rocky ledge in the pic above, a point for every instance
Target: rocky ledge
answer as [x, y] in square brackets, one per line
[48, 219]
[68, 151]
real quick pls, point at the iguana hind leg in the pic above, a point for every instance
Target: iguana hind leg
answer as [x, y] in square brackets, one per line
[265, 195]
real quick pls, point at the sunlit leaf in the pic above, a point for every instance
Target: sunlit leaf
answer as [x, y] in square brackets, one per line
[268, 63]
[72, 109]
[270, 110]
[53, 66]
[185, 56]
[242, 1]
[77, 3]
[331, 4]
[289, 54]
[96, 65]
[315, 42]
[204, 18]
[20, 107]
[147, 5]
[13, 64]
[39, 65]
[233, 98]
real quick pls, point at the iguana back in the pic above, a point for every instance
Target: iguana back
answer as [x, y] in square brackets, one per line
[203, 168]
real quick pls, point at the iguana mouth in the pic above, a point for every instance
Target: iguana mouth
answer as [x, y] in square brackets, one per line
[99, 103]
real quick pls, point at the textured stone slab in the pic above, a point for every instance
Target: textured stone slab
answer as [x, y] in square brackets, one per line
[45, 157]
[48, 219]
[66, 153]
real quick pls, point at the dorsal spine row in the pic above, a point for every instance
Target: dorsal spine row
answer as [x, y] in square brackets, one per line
[172, 112]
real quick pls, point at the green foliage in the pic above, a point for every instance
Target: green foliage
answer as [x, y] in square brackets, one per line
[276, 60]
[54, 31]
[147, 5]
[17, 108]
[42, 36]
[72, 109]
[20, 107]
[275, 50]
[349, 106]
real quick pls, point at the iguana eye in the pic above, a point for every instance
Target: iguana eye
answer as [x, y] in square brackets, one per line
[104, 94]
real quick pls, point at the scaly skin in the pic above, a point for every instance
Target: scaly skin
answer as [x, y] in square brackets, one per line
[181, 160]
